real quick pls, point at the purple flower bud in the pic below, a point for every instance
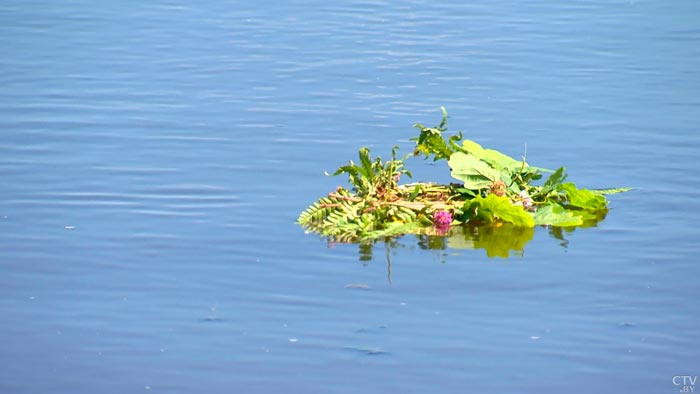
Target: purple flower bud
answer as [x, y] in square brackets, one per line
[442, 219]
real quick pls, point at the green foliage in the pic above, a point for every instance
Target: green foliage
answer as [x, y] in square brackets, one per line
[319, 210]
[430, 141]
[554, 180]
[373, 177]
[493, 208]
[583, 198]
[495, 189]
[475, 173]
[495, 159]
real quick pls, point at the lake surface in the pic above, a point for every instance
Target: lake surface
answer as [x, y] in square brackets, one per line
[155, 155]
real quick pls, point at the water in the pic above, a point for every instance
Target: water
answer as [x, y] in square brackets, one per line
[154, 157]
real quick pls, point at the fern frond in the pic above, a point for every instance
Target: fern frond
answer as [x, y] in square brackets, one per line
[324, 206]
[317, 211]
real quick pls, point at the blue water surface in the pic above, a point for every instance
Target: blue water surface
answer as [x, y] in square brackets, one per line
[155, 155]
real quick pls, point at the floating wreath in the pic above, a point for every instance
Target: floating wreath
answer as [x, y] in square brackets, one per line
[494, 188]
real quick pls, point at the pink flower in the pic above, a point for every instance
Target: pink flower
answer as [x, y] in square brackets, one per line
[442, 219]
[526, 201]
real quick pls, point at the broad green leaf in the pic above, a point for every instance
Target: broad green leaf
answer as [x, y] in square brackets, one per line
[493, 157]
[473, 172]
[583, 198]
[493, 208]
[556, 215]
[473, 182]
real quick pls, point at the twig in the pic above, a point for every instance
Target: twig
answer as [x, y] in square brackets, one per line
[346, 198]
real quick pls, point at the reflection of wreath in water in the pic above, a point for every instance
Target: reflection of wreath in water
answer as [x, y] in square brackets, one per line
[501, 240]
